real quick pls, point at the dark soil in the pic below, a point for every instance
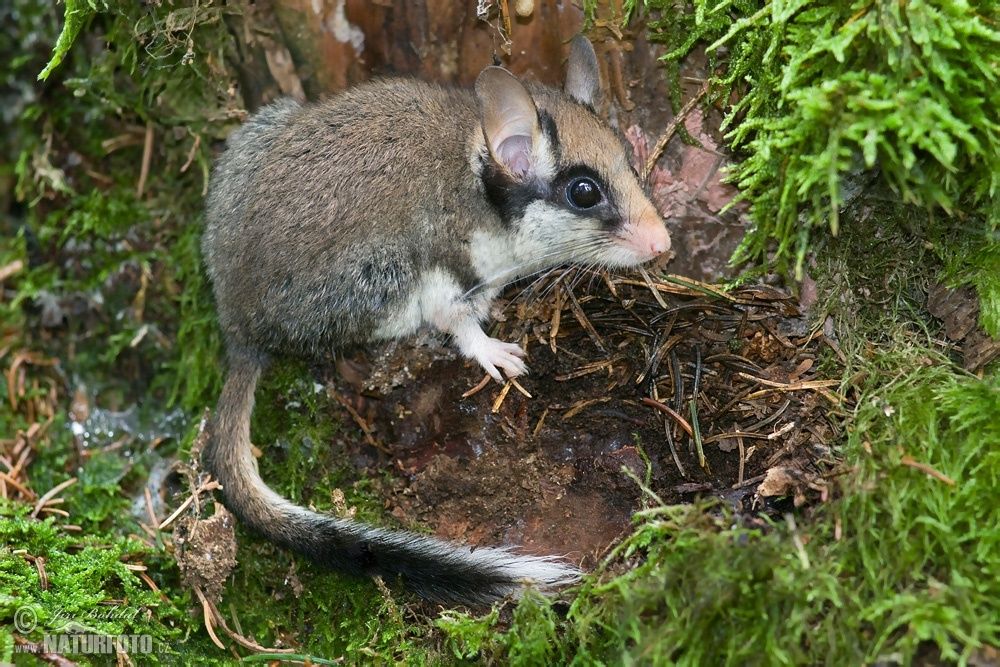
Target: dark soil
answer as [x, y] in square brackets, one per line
[559, 473]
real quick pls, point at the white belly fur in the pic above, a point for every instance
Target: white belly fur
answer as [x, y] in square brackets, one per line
[436, 300]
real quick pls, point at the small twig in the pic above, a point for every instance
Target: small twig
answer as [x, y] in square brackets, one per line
[50, 494]
[586, 369]
[191, 154]
[926, 469]
[538, 425]
[365, 427]
[177, 512]
[150, 512]
[147, 158]
[210, 485]
[580, 405]
[517, 385]
[735, 434]
[750, 482]
[767, 421]
[830, 396]
[479, 387]
[150, 532]
[609, 284]
[55, 510]
[683, 423]
[43, 577]
[505, 17]
[781, 431]
[670, 438]
[693, 406]
[673, 449]
[574, 305]
[502, 396]
[556, 319]
[654, 360]
[209, 617]
[743, 456]
[152, 586]
[836, 349]
[674, 284]
[652, 288]
[24, 491]
[792, 386]
[669, 131]
[675, 372]
[238, 638]
[796, 387]
[743, 393]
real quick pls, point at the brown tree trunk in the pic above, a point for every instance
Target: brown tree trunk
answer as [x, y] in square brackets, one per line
[327, 45]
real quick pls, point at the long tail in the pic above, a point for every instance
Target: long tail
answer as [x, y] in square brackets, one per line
[433, 568]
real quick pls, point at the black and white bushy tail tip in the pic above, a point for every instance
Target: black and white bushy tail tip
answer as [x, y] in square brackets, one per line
[434, 569]
[497, 573]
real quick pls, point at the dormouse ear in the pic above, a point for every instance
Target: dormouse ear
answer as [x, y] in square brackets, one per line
[583, 78]
[509, 119]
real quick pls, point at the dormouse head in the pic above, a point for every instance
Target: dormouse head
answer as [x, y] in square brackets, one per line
[560, 178]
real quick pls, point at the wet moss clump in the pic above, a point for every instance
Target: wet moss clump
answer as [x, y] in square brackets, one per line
[824, 99]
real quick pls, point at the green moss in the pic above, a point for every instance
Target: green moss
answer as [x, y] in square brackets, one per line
[943, 586]
[535, 641]
[88, 586]
[305, 455]
[194, 375]
[467, 637]
[828, 90]
[76, 15]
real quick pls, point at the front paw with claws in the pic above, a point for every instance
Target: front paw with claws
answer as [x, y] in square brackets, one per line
[495, 355]
[492, 354]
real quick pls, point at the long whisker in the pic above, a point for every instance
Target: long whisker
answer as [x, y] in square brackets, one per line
[553, 251]
[534, 284]
[544, 290]
[539, 277]
[585, 248]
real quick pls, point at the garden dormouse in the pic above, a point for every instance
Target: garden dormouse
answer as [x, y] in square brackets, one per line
[392, 206]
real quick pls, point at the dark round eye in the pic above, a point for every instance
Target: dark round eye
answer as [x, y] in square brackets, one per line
[583, 193]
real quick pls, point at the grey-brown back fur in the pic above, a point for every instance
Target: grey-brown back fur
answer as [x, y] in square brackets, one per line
[321, 217]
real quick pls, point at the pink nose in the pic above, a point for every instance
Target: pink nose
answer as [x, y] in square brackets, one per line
[658, 238]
